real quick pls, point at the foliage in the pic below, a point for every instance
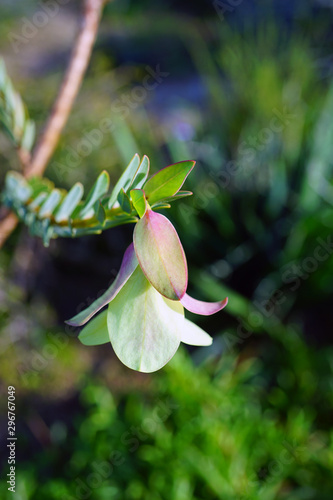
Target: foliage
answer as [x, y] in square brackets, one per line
[51, 212]
[144, 327]
[250, 232]
[226, 428]
[13, 114]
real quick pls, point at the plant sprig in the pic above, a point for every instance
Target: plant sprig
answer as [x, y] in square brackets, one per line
[50, 212]
[14, 116]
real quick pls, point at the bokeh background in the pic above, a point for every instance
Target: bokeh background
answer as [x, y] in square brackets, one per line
[245, 88]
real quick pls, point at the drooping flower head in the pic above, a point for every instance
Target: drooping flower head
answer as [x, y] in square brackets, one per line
[145, 320]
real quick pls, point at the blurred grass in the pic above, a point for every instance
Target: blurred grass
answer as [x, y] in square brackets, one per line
[219, 430]
[250, 417]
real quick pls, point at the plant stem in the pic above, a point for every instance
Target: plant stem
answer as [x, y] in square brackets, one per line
[25, 158]
[63, 104]
[7, 226]
[69, 89]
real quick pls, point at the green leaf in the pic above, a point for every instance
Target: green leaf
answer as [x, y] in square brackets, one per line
[139, 201]
[28, 137]
[13, 113]
[17, 187]
[47, 232]
[161, 206]
[144, 330]
[39, 185]
[50, 204]
[161, 255]
[141, 174]
[128, 266]
[19, 117]
[125, 180]
[177, 196]
[194, 335]
[67, 232]
[96, 331]
[119, 220]
[100, 213]
[38, 200]
[70, 202]
[29, 219]
[168, 181]
[124, 201]
[35, 227]
[97, 191]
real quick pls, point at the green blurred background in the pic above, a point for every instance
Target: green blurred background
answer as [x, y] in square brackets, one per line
[245, 88]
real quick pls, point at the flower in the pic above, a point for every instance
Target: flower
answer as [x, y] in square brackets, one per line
[145, 320]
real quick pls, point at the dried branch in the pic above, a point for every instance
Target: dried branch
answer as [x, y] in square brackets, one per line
[69, 89]
[63, 104]
[7, 226]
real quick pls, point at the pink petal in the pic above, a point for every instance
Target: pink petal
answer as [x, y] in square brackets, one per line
[128, 266]
[161, 255]
[203, 308]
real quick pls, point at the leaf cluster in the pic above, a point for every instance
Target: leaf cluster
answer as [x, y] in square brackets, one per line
[14, 117]
[50, 212]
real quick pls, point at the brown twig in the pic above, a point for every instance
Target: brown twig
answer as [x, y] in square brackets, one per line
[25, 158]
[69, 89]
[7, 226]
[63, 104]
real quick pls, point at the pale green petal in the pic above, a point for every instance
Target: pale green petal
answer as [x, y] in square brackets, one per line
[194, 335]
[129, 263]
[144, 329]
[96, 331]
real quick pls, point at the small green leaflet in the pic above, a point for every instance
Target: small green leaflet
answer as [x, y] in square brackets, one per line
[70, 202]
[28, 137]
[97, 191]
[168, 181]
[124, 201]
[39, 185]
[18, 187]
[13, 113]
[176, 196]
[139, 201]
[100, 213]
[125, 180]
[141, 174]
[36, 203]
[161, 205]
[50, 204]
